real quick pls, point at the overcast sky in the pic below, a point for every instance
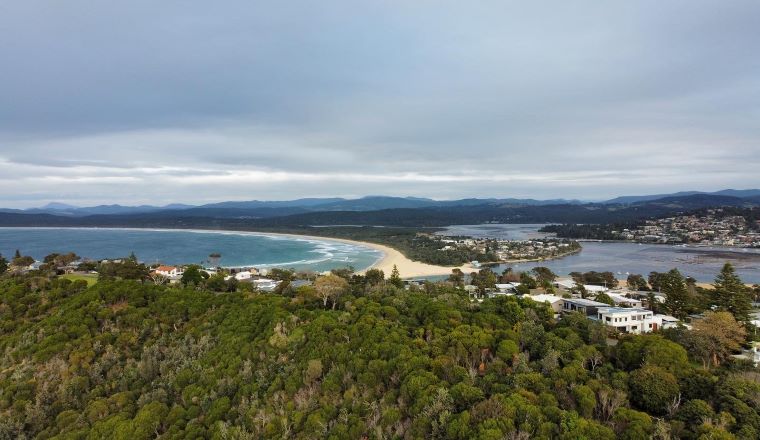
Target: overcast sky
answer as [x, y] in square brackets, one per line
[197, 101]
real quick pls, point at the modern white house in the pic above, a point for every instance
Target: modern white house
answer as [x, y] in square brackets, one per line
[507, 287]
[585, 306]
[621, 300]
[629, 320]
[569, 284]
[265, 284]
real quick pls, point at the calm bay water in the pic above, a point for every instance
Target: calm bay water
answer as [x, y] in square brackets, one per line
[182, 246]
[623, 258]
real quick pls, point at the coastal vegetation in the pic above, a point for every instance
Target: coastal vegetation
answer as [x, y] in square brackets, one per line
[356, 356]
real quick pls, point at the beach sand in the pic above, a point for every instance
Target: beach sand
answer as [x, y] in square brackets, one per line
[407, 268]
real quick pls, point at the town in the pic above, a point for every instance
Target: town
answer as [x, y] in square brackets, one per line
[712, 229]
[502, 251]
[730, 227]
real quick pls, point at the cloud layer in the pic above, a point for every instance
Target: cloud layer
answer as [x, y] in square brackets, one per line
[177, 101]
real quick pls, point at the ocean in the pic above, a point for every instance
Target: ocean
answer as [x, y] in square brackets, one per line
[189, 247]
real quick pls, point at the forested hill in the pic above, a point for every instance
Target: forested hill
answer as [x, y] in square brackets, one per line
[409, 217]
[126, 360]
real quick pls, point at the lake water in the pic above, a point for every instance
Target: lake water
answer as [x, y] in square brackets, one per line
[702, 263]
[184, 247]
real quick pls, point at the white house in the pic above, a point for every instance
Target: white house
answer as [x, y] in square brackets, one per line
[585, 306]
[629, 320]
[243, 275]
[669, 321]
[507, 287]
[565, 284]
[592, 288]
[265, 284]
[169, 271]
[623, 301]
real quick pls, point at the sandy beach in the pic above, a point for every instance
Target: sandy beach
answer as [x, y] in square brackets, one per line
[391, 257]
[406, 267]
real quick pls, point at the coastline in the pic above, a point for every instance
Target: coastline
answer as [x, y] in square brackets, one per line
[388, 256]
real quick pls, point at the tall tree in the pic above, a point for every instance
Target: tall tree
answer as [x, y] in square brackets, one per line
[3, 264]
[395, 278]
[730, 293]
[676, 296]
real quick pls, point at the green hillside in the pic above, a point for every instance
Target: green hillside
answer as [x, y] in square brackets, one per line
[127, 360]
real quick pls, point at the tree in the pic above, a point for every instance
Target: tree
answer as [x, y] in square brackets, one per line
[637, 282]
[217, 283]
[677, 300]
[374, 277]
[714, 337]
[653, 389]
[395, 278]
[192, 275]
[604, 298]
[730, 294]
[22, 260]
[329, 288]
[3, 264]
[528, 280]
[457, 277]
[656, 280]
[544, 274]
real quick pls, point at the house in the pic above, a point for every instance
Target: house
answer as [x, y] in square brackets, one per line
[594, 289]
[243, 275]
[414, 283]
[623, 301]
[507, 287]
[629, 320]
[565, 284]
[168, 271]
[265, 284]
[585, 306]
[669, 321]
[555, 302]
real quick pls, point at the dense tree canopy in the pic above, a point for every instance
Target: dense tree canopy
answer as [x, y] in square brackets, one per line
[127, 359]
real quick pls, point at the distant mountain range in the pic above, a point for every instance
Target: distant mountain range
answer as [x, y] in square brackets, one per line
[377, 210]
[259, 208]
[738, 193]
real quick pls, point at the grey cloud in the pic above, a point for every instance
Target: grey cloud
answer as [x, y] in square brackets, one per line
[129, 102]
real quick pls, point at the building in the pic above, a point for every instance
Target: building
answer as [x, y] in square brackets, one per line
[243, 275]
[169, 271]
[265, 284]
[507, 287]
[565, 284]
[623, 301]
[669, 321]
[594, 289]
[585, 306]
[629, 320]
[555, 302]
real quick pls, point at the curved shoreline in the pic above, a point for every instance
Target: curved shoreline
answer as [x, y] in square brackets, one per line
[388, 256]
